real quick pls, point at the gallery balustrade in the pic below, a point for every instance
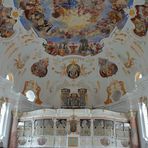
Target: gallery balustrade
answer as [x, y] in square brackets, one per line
[65, 128]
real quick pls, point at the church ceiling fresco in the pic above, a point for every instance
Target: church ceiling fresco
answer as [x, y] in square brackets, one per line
[51, 45]
[73, 27]
[6, 22]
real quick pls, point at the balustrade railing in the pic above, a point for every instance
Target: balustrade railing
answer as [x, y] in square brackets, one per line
[74, 131]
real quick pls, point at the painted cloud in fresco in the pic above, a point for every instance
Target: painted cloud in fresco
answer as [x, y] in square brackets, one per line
[39, 68]
[107, 68]
[73, 27]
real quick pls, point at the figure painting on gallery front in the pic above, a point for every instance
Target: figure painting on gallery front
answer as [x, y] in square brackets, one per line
[38, 127]
[24, 130]
[61, 127]
[103, 127]
[109, 127]
[39, 132]
[43, 127]
[85, 127]
[98, 127]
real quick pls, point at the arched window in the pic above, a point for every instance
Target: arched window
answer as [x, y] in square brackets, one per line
[143, 121]
[30, 95]
[2, 116]
[10, 77]
[138, 76]
[145, 117]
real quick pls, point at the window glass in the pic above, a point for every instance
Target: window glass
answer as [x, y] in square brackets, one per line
[2, 117]
[145, 114]
[30, 95]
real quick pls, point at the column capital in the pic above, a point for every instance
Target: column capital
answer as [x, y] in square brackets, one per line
[3, 99]
[16, 113]
[131, 113]
[142, 85]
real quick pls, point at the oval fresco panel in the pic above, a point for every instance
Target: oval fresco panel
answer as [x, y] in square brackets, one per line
[39, 68]
[107, 68]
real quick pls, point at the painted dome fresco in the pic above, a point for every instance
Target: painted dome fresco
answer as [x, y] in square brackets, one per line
[74, 52]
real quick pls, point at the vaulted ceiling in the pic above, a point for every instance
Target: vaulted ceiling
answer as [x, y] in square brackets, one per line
[97, 45]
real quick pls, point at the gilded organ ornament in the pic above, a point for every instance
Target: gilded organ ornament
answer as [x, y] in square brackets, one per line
[73, 126]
